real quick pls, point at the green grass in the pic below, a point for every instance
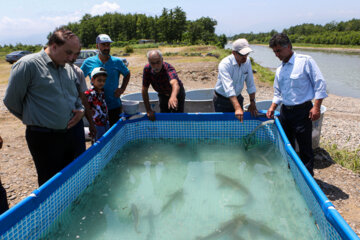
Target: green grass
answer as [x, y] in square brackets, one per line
[346, 158]
[147, 45]
[264, 74]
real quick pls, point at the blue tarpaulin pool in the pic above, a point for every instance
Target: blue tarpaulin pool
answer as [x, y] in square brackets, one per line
[32, 217]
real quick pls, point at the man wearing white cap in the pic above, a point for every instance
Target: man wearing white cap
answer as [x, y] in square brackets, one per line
[114, 67]
[234, 71]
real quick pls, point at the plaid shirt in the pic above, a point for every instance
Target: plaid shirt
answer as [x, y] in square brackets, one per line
[160, 81]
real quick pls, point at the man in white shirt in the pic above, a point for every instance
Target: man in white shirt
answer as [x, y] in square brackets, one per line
[297, 81]
[234, 71]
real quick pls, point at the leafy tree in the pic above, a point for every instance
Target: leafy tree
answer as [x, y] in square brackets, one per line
[343, 33]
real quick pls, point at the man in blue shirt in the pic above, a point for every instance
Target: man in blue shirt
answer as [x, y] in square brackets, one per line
[297, 81]
[114, 67]
[234, 72]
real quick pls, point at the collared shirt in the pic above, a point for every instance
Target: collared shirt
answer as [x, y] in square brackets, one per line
[96, 100]
[80, 80]
[231, 77]
[298, 81]
[114, 67]
[41, 94]
[160, 81]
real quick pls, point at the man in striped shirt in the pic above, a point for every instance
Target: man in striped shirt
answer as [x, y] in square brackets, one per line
[164, 79]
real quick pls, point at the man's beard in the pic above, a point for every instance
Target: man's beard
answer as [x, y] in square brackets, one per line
[105, 52]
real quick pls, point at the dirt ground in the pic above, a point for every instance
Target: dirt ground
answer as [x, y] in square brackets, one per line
[341, 126]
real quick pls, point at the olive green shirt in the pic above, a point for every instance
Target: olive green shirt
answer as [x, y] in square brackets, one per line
[41, 94]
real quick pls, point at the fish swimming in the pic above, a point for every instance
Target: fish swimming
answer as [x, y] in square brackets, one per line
[232, 226]
[225, 180]
[228, 227]
[151, 233]
[263, 228]
[135, 215]
[176, 196]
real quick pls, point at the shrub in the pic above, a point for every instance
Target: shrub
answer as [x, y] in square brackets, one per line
[129, 49]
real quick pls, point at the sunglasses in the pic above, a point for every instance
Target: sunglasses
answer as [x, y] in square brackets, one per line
[241, 55]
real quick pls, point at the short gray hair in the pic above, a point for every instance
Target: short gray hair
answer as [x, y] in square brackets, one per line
[151, 52]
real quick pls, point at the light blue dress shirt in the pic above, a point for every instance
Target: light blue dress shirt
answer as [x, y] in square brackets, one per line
[231, 77]
[114, 67]
[298, 81]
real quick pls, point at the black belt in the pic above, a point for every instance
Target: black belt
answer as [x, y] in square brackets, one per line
[220, 96]
[303, 105]
[44, 129]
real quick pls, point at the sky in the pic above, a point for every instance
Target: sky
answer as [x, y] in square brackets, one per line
[30, 21]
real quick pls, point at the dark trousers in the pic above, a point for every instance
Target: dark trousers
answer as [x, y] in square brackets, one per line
[297, 125]
[53, 150]
[164, 100]
[223, 104]
[3, 199]
[114, 115]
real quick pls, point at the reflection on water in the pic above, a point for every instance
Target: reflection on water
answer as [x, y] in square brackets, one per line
[190, 190]
[341, 70]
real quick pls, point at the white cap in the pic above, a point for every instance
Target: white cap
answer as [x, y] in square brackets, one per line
[98, 70]
[241, 46]
[103, 38]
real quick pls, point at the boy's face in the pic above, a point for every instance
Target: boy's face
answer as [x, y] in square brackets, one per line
[98, 81]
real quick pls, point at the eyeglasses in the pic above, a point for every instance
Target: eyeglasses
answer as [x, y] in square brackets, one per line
[241, 55]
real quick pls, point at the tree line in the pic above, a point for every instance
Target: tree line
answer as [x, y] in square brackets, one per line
[171, 27]
[340, 33]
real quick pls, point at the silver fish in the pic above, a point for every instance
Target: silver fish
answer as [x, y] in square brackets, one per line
[263, 228]
[225, 180]
[135, 215]
[228, 227]
[232, 226]
[151, 233]
[176, 196]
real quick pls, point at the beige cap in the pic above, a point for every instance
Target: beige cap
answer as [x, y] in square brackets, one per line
[241, 46]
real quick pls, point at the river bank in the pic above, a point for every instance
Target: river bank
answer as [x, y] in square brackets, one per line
[340, 126]
[320, 48]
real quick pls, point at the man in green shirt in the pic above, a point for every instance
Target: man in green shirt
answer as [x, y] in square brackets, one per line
[42, 93]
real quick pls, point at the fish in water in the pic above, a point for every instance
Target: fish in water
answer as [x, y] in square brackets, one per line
[174, 197]
[229, 227]
[225, 180]
[151, 233]
[135, 215]
[234, 205]
[232, 226]
[263, 228]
